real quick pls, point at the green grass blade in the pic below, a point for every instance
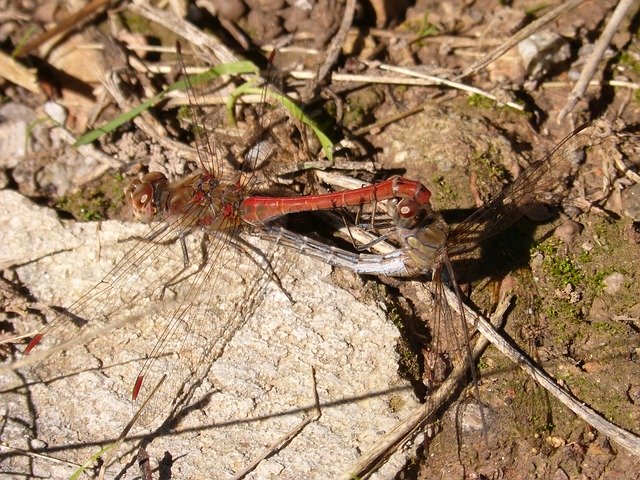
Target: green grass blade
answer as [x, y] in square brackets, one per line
[249, 88]
[235, 68]
[91, 460]
[23, 40]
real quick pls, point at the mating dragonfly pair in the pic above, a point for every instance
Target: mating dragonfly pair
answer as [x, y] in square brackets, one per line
[222, 202]
[223, 206]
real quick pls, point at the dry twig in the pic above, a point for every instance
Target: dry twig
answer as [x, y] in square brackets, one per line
[65, 25]
[424, 413]
[518, 37]
[619, 435]
[333, 51]
[589, 70]
[212, 48]
[449, 83]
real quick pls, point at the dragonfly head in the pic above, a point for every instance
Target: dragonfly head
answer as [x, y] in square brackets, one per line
[423, 231]
[144, 196]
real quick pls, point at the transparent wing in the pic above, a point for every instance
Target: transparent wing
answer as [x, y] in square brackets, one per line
[136, 279]
[520, 196]
[217, 299]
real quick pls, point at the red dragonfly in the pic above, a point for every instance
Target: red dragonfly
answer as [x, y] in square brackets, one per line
[220, 201]
[223, 202]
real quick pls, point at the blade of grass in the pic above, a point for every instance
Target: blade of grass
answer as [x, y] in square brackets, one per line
[249, 88]
[91, 460]
[235, 68]
[23, 40]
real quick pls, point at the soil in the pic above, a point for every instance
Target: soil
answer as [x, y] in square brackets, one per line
[572, 268]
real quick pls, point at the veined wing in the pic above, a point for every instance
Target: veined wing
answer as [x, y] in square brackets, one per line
[133, 280]
[520, 196]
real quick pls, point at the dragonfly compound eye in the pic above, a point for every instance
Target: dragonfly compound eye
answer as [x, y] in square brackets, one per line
[407, 208]
[405, 212]
[143, 195]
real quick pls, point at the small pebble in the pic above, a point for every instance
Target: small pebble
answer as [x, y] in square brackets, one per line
[231, 10]
[303, 4]
[631, 202]
[632, 232]
[555, 442]
[272, 5]
[560, 474]
[264, 25]
[592, 367]
[542, 50]
[472, 419]
[567, 231]
[587, 247]
[56, 111]
[613, 283]
[634, 394]
[14, 139]
[572, 211]
[537, 259]
[37, 444]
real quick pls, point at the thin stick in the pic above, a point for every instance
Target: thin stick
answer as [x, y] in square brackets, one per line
[394, 80]
[215, 51]
[518, 37]
[595, 83]
[419, 79]
[624, 438]
[630, 174]
[422, 414]
[17, 338]
[38, 455]
[589, 69]
[454, 41]
[65, 25]
[284, 440]
[449, 83]
[335, 47]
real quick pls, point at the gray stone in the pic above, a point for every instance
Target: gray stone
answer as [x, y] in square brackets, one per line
[258, 389]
